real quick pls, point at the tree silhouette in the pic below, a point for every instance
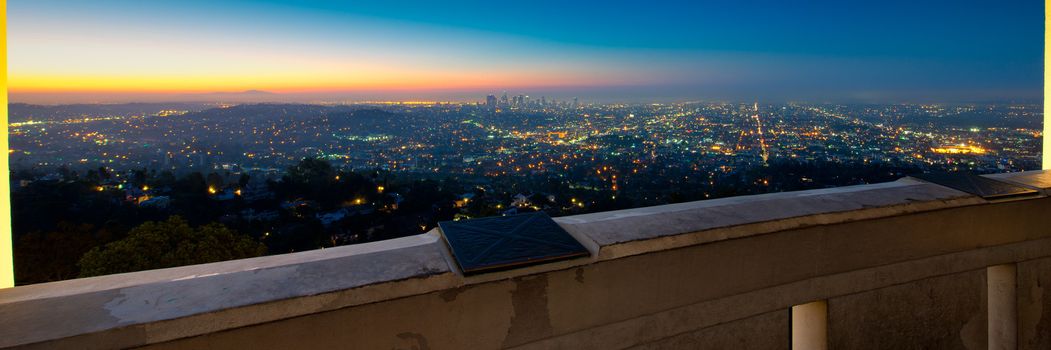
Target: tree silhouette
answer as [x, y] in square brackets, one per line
[161, 244]
[52, 256]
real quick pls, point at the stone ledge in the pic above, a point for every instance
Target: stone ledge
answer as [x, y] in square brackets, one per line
[818, 261]
[636, 231]
[1040, 180]
[155, 306]
[69, 308]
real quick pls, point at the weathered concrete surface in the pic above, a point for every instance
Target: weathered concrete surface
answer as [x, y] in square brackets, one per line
[1035, 179]
[767, 331]
[117, 281]
[431, 321]
[729, 267]
[640, 330]
[945, 312]
[1034, 304]
[659, 298]
[699, 222]
[135, 312]
[734, 267]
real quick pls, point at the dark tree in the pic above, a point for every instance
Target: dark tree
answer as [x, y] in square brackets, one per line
[161, 244]
[53, 255]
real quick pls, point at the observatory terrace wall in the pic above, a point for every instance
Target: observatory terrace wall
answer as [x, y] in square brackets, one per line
[899, 264]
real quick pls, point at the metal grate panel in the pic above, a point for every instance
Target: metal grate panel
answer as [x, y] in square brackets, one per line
[504, 242]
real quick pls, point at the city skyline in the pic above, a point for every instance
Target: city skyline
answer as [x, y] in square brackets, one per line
[118, 51]
[295, 177]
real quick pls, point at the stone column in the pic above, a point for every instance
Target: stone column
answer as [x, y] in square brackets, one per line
[810, 326]
[1003, 311]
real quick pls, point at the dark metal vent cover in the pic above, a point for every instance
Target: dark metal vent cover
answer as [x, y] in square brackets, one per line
[977, 185]
[504, 242]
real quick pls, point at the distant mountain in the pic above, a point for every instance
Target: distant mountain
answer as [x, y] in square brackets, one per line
[298, 111]
[366, 113]
[352, 119]
[246, 96]
[256, 92]
[20, 112]
[261, 111]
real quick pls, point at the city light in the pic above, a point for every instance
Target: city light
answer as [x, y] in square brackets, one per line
[959, 149]
[438, 120]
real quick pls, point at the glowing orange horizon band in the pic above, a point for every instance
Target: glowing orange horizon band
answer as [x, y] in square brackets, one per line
[295, 90]
[290, 82]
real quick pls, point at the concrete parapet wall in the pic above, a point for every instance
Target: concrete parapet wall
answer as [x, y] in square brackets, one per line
[901, 265]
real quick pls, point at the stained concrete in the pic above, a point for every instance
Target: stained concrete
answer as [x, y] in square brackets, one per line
[429, 321]
[669, 298]
[767, 331]
[1034, 304]
[532, 318]
[945, 312]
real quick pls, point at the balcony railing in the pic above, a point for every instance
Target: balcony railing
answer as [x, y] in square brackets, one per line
[902, 264]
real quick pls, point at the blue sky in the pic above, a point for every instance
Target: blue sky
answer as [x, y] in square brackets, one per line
[886, 51]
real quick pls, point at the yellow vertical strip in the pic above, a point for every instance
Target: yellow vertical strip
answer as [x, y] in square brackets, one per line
[1046, 161]
[7, 262]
